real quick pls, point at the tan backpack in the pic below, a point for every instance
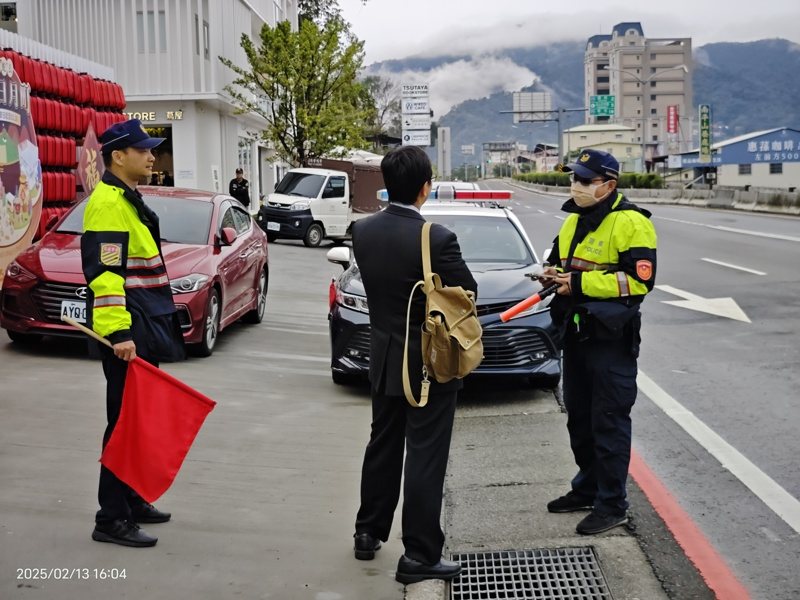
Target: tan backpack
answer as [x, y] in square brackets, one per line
[451, 333]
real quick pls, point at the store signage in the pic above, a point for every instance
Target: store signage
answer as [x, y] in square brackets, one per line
[20, 170]
[705, 133]
[90, 165]
[152, 115]
[416, 114]
[672, 118]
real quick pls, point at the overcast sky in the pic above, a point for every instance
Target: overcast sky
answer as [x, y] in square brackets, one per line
[397, 29]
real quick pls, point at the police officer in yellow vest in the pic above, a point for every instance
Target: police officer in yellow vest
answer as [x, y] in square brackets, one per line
[604, 260]
[130, 303]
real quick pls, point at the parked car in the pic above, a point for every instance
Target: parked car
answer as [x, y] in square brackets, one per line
[501, 258]
[216, 259]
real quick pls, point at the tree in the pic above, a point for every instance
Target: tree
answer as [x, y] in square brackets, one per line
[385, 95]
[304, 84]
[319, 11]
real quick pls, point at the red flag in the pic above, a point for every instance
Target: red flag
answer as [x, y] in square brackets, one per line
[159, 420]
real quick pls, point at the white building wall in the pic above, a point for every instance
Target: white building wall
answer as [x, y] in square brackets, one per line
[728, 175]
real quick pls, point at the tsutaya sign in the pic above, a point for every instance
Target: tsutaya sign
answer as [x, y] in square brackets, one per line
[416, 115]
[150, 116]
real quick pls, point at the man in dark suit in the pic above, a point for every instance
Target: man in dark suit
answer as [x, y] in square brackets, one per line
[387, 248]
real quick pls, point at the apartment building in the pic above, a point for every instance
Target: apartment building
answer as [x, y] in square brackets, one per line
[165, 55]
[651, 80]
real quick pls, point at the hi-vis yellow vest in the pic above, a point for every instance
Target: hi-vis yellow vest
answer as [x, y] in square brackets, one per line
[616, 260]
[122, 264]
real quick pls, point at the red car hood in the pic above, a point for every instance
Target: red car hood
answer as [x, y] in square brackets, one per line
[61, 253]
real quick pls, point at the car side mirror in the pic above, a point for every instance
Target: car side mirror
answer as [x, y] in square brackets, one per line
[227, 236]
[546, 254]
[51, 222]
[339, 255]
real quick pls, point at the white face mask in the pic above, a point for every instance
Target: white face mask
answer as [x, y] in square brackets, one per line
[587, 195]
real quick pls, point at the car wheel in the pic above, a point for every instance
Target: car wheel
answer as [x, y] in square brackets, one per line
[23, 338]
[271, 237]
[314, 235]
[256, 315]
[211, 328]
[340, 378]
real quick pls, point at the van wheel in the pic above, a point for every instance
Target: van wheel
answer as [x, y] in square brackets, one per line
[343, 378]
[314, 235]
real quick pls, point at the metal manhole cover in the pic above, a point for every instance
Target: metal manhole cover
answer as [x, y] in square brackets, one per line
[550, 573]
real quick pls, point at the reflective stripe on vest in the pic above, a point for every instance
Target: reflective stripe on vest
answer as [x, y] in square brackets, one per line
[151, 281]
[145, 263]
[105, 301]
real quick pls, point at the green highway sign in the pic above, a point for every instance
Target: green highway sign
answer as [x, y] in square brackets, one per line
[602, 106]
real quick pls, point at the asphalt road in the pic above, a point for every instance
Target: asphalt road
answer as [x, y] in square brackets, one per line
[739, 378]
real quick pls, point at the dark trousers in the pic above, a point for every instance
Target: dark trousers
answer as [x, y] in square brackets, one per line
[115, 497]
[599, 392]
[425, 433]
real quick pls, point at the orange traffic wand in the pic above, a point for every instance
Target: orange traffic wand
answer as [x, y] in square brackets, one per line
[520, 307]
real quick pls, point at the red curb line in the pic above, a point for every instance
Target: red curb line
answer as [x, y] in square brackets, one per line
[713, 569]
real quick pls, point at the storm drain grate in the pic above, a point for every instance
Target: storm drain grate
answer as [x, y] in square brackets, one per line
[553, 574]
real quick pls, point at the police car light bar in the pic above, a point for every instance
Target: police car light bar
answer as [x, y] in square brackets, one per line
[447, 193]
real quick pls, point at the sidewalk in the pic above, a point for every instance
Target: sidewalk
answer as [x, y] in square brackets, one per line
[509, 457]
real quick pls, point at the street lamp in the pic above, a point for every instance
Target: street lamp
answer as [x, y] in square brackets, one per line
[645, 98]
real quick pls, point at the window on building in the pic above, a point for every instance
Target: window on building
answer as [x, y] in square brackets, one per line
[655, 125]
[618, 136]
[628, 149]
[583, 137]
[653, 111]
[652, 70]
[655, 138]
[602, 80]
[745, 169]
[146, 22]
[653, 84]
[775, 168]
[206, 42]
[653, 97]
[652, 56]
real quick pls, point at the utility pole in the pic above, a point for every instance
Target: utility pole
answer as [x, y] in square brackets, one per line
[546, 116]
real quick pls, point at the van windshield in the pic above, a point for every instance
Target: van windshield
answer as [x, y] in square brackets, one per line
[300, 184]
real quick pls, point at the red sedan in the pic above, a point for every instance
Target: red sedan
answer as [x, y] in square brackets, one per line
[216, 257]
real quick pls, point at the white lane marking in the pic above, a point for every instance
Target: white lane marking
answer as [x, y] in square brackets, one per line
[786, 506]
[774, 236]
[719, 307]
[559, 218]
[730, 266]
[544, 212]
[325, 333]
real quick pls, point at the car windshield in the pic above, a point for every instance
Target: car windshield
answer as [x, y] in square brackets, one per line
[300, 184]
[179, 220]
[486, 239]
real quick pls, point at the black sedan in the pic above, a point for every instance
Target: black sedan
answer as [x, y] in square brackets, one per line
[501, 258]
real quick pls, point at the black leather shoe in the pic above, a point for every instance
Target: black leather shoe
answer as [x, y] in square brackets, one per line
[597, 522]
[413, 571]
[124, 533]
[147, 513]
[365, 546]
[570, 502]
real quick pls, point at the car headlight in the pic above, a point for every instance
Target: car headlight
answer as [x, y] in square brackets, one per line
[352, 301]
[16, 272]
[536, 308]
[190, 283]
[301, 205]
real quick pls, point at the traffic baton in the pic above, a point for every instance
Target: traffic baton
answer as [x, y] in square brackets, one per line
[520, 307]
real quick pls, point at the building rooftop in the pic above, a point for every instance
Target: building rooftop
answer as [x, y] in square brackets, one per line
[594, 41]
[621, 29]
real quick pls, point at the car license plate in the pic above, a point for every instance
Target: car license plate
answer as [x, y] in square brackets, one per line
[273, 226]
[74, 310]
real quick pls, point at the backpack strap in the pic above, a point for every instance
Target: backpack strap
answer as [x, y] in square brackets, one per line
[426, 284]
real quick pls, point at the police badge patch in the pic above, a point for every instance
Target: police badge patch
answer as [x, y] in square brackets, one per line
[111, 255]
[644, 269]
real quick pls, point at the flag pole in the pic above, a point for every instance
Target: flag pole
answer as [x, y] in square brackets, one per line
[87, 331]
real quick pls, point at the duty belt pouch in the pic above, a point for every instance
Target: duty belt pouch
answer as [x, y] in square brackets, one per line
[605, 321]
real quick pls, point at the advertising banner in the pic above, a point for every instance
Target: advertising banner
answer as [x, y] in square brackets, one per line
[90, 165]
[20, 170]
[672, 118]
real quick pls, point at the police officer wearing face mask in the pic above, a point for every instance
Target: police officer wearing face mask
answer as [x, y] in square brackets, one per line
[604, 261]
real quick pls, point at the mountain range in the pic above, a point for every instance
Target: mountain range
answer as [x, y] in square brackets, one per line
[751, 86]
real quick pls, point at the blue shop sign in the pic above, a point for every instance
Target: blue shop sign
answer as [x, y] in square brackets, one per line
[778, 146]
